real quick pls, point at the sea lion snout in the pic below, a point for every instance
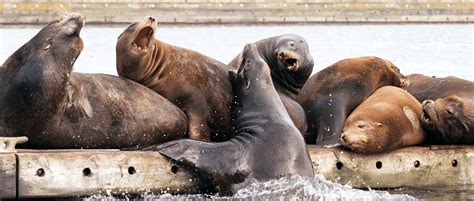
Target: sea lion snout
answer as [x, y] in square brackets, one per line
[289, 59]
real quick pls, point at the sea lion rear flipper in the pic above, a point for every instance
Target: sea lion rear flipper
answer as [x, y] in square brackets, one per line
[226, 162]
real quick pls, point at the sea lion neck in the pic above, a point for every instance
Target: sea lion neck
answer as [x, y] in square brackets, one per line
[156, 58]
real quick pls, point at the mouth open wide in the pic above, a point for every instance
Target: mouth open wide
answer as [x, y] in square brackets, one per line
[143, 38]
[289, 60]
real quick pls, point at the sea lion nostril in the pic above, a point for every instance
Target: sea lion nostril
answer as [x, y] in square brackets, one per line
[151, 19]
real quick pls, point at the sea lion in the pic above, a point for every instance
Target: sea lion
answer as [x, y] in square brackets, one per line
[291, 65]
[41, 98]
[387, 120]
[330, 95]
[197, 84]
[423, 87]
[450, 120]
[267, 144]
[448, 108]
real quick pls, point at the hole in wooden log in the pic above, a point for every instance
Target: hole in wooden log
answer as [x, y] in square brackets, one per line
[87, 172]
[378, 164]
[417, 164]
[174, 168]
[454, 163]
[131, 170]
[339, 165]
[40, 172]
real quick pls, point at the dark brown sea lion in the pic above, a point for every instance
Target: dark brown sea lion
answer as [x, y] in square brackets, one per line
[330, 95]
[42, 99]
[387, 120]
[448, 108]
[195, 83]
[423, 87]
[291, 65]
[450, 120]
[267, 144]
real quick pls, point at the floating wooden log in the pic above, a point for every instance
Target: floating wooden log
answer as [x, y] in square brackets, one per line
[66, 173]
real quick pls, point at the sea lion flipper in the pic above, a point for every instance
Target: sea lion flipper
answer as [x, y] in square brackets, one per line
[229, 174]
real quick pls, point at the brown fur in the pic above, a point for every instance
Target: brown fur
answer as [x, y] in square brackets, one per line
[330, 95]
[197, 84]
[387, 120]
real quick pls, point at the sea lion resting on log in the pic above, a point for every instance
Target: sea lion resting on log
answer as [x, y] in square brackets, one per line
[330, 95]
[448, 108]
[41, 98]
[194, 82]
[387, 120]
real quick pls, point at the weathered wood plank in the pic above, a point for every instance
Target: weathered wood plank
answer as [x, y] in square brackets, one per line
[7, 175]
[411, 166]
[72, 173]
[59, 173]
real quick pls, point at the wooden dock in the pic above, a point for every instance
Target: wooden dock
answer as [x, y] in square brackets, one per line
[65, 173]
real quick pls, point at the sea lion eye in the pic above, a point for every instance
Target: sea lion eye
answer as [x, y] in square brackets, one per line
[292, 44]
[451, 113]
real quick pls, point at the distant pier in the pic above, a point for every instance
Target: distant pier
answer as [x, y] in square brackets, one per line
[243, 11]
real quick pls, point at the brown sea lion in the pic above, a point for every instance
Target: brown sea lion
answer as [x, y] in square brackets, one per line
[423, 87]
[55, 108]
[194, 82]
[387, 120]
[267, 144]
[291, 65]
[448, 108]
[330, 95]
[450, 120]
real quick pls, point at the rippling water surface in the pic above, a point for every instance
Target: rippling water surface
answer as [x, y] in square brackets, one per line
[289, 188]
[432, 49]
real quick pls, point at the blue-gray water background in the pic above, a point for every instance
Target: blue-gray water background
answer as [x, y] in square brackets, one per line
[432, 49]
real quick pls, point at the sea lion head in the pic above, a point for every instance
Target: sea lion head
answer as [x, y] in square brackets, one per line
[57, 44]
[398, 78]
[450, 119]
[253, 73]
[363, 135]
[292, 53]
[134, 45]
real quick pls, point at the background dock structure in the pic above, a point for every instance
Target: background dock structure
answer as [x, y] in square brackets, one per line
[66, 173]
[243, 11]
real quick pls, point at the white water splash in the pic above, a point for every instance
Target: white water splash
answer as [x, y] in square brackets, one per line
[287, 188]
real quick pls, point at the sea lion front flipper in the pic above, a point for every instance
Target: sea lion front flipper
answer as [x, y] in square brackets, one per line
[226, 163]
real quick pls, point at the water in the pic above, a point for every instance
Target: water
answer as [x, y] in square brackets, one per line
[432, 49]
[287, 188]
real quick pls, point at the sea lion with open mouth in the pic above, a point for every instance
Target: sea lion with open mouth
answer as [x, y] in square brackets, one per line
[448, 108]
[291, 64]
[197, 84]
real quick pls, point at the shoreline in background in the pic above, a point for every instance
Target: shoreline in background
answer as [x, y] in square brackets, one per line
[209, 12]
[256, 24]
